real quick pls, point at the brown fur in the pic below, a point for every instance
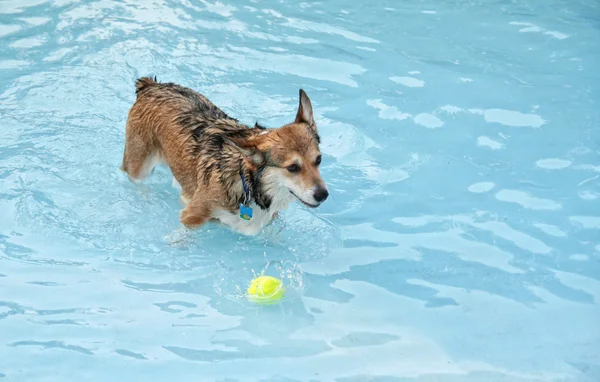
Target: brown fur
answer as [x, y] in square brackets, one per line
[209, 152]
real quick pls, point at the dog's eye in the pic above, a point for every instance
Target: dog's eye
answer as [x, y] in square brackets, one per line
[293, 168]
[318, 160]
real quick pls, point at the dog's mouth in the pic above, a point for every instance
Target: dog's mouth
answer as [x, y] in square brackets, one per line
[305, 203]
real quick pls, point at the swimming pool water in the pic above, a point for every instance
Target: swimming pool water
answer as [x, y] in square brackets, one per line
[461, 148]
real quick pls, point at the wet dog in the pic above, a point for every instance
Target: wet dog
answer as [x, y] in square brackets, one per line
[229, 172]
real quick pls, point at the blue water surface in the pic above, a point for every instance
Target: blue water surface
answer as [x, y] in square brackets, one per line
[461, 147]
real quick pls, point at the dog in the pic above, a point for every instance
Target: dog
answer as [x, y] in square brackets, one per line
[228, 172]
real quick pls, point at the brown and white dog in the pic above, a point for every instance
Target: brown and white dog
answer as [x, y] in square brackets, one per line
[229, 172]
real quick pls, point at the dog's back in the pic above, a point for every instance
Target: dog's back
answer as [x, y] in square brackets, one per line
[183, 99]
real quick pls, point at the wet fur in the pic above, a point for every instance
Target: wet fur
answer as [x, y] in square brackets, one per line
[208, 152]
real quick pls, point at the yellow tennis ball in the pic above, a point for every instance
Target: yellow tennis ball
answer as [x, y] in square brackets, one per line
[265, 289]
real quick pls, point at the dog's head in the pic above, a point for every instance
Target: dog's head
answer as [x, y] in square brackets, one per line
[290, 156]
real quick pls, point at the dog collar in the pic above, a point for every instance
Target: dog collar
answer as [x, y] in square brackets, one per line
[245, 210]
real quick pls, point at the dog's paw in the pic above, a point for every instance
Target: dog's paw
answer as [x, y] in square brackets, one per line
[191, 219]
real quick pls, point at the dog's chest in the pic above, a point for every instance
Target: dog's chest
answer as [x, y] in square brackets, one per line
[260, 218]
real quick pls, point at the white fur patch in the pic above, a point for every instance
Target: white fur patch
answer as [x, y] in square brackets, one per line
[260, 217]
[176, 184]
[153, 160]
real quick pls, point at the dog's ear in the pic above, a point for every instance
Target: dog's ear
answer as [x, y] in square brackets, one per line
[305, 112]
[248, 148]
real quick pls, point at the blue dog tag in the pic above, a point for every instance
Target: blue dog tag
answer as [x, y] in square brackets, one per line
[245, 212]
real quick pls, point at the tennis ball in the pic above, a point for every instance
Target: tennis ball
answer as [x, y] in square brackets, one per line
[265, 289]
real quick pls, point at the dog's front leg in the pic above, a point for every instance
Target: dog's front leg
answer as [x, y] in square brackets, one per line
[197, 211]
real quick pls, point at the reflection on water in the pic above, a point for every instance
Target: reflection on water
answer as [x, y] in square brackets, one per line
[460, 147]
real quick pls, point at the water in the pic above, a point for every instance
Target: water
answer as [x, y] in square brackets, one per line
[461, 148]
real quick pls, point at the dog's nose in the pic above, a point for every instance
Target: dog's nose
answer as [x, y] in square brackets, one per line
[321, 194]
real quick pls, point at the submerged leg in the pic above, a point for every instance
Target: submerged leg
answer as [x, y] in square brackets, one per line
[197, 212]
